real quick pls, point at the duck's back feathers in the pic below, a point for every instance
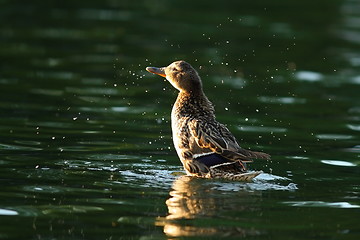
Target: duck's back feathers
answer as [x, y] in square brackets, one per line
[210, 134]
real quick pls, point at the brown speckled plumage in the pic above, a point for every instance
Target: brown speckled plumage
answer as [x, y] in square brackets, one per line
[196, 131]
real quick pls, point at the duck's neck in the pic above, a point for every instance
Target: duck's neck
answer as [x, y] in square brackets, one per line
[193, 103]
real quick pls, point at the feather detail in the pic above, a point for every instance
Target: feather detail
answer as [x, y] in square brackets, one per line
[218, 139]
[211, 159]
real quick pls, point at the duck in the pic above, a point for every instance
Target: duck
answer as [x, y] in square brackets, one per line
[205, 147]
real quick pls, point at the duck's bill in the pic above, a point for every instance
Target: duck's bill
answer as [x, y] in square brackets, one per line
[155, 70]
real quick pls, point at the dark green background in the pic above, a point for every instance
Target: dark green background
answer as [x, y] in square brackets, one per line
[85, 138]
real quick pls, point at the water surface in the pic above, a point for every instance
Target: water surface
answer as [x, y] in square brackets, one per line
[85, 139]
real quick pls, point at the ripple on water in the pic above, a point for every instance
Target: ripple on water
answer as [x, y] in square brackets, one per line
[49, 209]
[308, 76]
[47, 92]
[161, 178]
[339, 163]
[27, 142]
[7, 212]
[262, 182]
[297, 157]
[354, 110]
[130, 110]
[101, 162]
[261, 129]
[321, 204]
[355, 149]
[26, 211]
[50, 124]
[236, 82]
[109, 156]
[75, 148]
[334, 136]
[355, 80]
[87, 165]
[105, 14]
[45, 189]
[353, 127]
[60, 75]
[283, 100]
[164, 176]
[92, 91]
[69, 209]
[122, 109]
[18, 147]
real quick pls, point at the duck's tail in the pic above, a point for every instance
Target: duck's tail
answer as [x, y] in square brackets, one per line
[231, 171]
[244, 155]
[252, 154]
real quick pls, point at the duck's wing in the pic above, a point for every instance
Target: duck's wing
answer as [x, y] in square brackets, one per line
[216, 137]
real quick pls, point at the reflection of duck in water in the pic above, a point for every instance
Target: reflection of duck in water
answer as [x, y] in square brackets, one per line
[205, 147]
[196, 202]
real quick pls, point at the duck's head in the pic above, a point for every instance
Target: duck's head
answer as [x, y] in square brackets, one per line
[181, 75]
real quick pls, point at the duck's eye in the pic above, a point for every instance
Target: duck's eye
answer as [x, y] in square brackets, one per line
[175, 69]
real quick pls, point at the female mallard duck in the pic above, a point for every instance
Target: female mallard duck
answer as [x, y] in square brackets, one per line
[205, 147]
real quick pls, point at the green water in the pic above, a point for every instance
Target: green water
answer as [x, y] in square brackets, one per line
[85, 139]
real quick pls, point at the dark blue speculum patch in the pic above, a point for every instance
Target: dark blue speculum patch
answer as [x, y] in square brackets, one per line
[212, 159]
